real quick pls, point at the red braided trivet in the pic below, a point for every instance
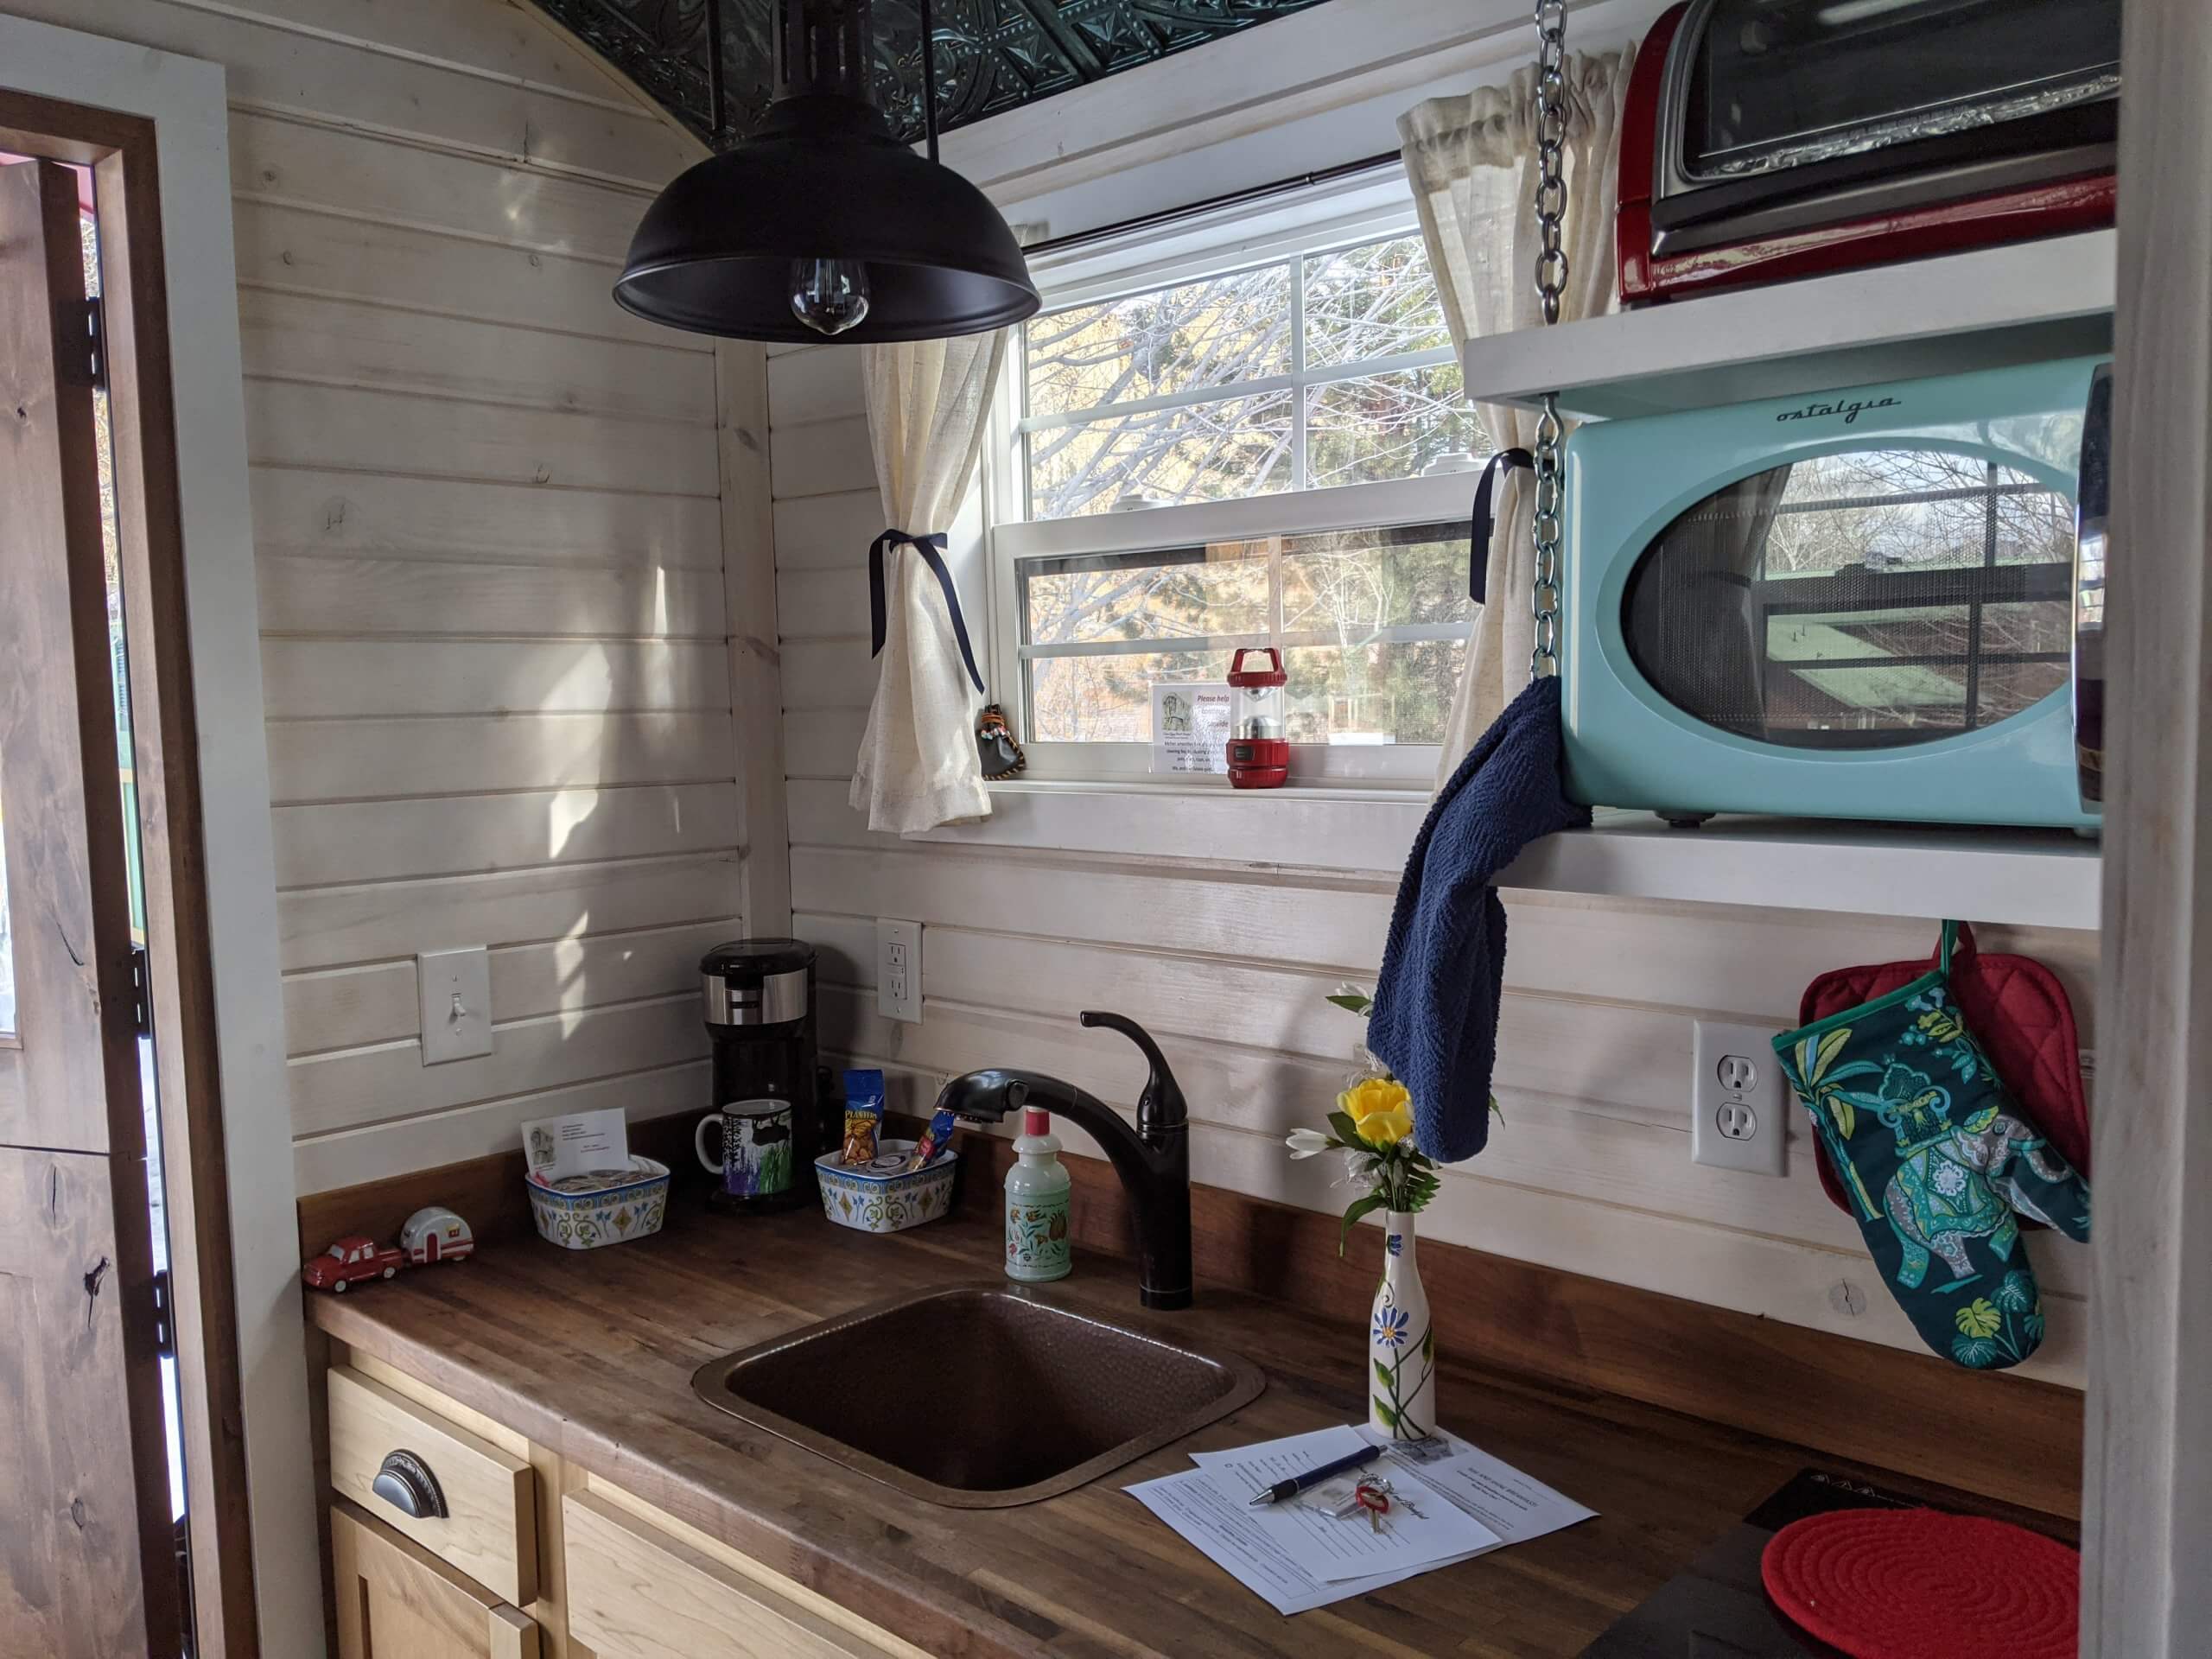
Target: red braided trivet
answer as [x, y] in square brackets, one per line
[1920, 1584]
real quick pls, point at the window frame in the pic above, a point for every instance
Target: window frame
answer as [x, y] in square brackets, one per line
[1342, 214]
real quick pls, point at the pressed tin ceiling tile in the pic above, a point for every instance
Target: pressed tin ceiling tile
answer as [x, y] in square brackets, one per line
[991, 54]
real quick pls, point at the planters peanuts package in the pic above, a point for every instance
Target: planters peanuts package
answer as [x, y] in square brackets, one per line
[863, 1115]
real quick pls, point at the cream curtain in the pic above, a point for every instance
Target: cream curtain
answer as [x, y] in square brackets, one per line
[1472, 163]
[926, 405]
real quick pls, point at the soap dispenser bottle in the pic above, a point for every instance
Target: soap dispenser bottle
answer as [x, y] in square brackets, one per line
[1037, 1203]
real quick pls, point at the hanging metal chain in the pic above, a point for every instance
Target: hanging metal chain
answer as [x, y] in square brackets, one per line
[1551, 279]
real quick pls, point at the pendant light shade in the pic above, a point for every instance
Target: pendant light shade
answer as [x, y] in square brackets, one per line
[820, 224]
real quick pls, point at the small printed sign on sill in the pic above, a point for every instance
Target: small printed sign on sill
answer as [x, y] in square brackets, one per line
[1189, 726]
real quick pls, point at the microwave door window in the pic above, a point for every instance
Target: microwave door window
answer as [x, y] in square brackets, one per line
[1871, 600]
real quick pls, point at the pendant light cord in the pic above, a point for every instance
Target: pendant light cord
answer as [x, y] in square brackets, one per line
[720, 119]
[928, 79]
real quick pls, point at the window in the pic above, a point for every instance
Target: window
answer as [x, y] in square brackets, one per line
[1264, 446]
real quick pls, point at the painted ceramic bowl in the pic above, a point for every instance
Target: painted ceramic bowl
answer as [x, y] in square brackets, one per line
[884, 1196]
[582, 1212]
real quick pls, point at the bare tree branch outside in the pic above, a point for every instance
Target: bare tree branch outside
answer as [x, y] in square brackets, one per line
[1334, 368]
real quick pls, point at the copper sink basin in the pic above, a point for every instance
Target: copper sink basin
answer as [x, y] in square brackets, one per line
[979, 1397]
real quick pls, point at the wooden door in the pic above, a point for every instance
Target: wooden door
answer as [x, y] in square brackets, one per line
[87, 1552]
[395, 1601]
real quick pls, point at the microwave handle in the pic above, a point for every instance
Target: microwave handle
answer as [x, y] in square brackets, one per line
[2092, 548]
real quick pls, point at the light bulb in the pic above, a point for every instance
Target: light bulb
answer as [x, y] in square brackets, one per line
[829, 296]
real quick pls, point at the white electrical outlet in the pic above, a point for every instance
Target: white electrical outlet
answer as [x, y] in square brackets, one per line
[456, 997]
[899, 969]
[1739, 1105]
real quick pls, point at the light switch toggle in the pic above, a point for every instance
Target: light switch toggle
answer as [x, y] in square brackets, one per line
[455, 1006]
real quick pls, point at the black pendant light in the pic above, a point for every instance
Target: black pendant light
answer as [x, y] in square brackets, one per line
[820, 224]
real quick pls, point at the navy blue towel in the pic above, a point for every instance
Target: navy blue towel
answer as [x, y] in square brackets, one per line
[1434, 1021]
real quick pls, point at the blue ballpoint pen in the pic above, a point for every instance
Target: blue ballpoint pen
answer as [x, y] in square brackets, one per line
[1297, 1483]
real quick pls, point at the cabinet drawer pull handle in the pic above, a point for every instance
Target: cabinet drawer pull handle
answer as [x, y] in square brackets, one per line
[405, 1482]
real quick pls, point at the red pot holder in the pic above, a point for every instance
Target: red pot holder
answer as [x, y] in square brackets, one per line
[2019, 1013]
[1919, 1583]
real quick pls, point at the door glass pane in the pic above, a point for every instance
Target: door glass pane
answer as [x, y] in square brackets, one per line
[7, 940]
[126, 780]
[1864, 600]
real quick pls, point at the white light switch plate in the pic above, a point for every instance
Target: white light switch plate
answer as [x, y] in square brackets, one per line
[1739, 1105]
[899, 969]
[456, 1003]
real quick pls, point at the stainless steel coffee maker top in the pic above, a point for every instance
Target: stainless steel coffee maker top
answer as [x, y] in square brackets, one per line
[756, 981]
[778, 999]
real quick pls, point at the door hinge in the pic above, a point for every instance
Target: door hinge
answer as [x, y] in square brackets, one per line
[141, 992]
[164, 1317]
[84, 357]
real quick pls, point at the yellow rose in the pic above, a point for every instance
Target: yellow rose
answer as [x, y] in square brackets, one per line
[1381, 1109]
[1387, 1128]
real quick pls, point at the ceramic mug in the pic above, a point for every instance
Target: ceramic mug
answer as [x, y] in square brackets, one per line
[755, 1159]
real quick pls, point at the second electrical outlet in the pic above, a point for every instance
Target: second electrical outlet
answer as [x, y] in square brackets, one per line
[899, 969]
[1739, 1108]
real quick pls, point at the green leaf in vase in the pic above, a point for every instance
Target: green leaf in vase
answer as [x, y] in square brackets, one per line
[1372, 1202]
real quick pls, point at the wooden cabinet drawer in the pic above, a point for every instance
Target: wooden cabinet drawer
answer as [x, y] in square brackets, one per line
[636, 1591]
[489, 1530]
[395, 1601]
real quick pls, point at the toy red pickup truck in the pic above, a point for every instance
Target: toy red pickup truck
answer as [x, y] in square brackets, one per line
[350, 1260]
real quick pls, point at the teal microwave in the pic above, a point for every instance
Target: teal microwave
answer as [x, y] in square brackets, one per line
[1884, 602]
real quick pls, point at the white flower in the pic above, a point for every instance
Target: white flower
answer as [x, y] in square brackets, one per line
[1304, 1143]
[1351, 988]
[1950, 1180]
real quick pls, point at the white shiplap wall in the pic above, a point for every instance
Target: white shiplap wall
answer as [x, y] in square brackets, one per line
[489, 541]
[1228, 964]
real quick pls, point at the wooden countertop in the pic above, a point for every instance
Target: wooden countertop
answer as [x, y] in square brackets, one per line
[590, 1354]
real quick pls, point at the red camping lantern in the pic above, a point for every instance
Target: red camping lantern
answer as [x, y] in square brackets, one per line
[1259, 753]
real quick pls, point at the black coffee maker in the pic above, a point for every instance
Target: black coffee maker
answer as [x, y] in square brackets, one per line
[769, 1111]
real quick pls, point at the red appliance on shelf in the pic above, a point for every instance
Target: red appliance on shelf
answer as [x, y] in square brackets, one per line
[1259, 753]
[1762, 140]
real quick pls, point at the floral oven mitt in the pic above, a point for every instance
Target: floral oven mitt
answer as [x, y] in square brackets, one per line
[1939, 1164]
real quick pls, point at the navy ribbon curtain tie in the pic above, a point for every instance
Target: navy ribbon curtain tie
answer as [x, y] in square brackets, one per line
[931, 548]
[1481, 521]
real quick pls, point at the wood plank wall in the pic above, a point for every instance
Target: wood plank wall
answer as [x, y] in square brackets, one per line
[489, 544]
[1228, 964]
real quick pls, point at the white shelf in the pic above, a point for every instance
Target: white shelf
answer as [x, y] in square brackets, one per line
[1988, 309]
[2041, 877]
[2031, 877]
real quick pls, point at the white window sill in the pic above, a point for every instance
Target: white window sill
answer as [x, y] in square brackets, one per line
[2038, 877]
[1321, 827]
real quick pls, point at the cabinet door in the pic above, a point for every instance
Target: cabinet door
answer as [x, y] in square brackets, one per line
[395, 1601]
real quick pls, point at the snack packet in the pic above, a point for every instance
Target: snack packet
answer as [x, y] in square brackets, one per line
[934, 1139]
[863, 1115]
